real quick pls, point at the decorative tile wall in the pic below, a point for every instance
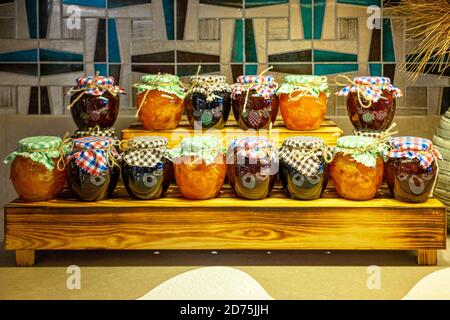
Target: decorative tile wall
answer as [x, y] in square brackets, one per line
[46, 44]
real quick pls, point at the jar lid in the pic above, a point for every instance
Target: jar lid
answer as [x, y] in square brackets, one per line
[204, 147]
[307, 84]
[147, 142]
[145, 151]
[160, 78]
[91, 142]
[371, 80]
[39, 143]
[208, 85]
[354, 142]
[414, 148]
[96, 86]
[364, 150]
[263, 86]
[369, 88]
[252, 148]
[254, 79]
[96, 132]
[368, 133]
[163, 82]
[207, 79]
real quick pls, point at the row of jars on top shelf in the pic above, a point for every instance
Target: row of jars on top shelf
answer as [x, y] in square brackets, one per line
[255, 100]
[92, 167]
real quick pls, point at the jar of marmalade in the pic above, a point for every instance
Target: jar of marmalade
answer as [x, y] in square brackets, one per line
[303, 101]
[95, 102]
[254, 101]
[160, 101]
[146, 171]
[37, 169]
[304, 167]
[208, 103]
[411, 168]
[357, 167]
[199, 167]
[93, 168]
[371, 102]
[252, 167]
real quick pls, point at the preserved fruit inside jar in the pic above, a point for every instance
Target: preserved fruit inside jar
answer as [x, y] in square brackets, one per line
[304, 187]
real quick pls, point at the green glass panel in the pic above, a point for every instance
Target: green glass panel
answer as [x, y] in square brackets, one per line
[251, 69]
[361, 2]
[306, 12]
[250, 44]
[262, 3]
[324, 69]
[331, 56]
[375, 69]
[388, 41]
[238, 42]
[168, 7]
[319, 12]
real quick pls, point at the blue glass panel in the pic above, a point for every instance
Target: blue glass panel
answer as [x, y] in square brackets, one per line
[251, 69]
[87, 3]
[324, 69]
[20, 56]
[168, 7]
[319, 12]
[306, 11]
[361, 2]
[124, 3]
[56, 55]
[113, 42]
[375, 69]
[331, 56]
[388, 41]
[101, 68]
[31, 6]
[262, 3]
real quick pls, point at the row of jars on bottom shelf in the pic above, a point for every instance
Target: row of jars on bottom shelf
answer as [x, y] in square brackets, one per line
[199, 165]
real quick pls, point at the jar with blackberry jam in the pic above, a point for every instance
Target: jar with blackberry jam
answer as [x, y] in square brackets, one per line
[357, 167]
[95, 102]
[160, 101]
[199, 167]
[371, 102]
[146, 171]
[93, 168]
[254, 102]
[411, 169]
[37, 168]
[304, 167]
[303, 101]
[252, 167]
[208, 103]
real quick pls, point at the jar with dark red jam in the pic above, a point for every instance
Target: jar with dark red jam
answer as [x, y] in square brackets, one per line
[304, 169]
[93, 168]
[252, 167]
[37, 168]
[371, 102]
[254, 102]
[95, 102]
[146, 171]
[208, 103]
[411, 169]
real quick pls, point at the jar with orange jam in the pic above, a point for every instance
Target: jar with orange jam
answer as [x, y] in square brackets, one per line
[357, 167]
[303, 101]
[37, 168]
[199, 167]
[160, 101]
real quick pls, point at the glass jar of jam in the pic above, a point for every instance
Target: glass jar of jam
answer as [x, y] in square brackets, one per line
[371, 102]
[146, 171]
[303, 101]
[254, 101]
[411, 169]
[252, 167]
[93, 168]
[95, 102]
[304, 167]
[357, 167]
[160, 101]
[37, 168]
[199, 167]
[208, 103]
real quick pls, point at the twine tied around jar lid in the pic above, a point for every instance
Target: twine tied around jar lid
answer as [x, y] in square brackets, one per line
[207, 85]
[299, 86]
[367, 88]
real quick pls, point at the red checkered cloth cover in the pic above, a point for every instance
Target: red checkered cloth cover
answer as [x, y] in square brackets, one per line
[414, 148]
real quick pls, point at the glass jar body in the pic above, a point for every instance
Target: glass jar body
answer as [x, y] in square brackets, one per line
[408, 181]
[90, 111]
[354, 180]
[146, 183]
[213, 114]
[159, 110]
[305, 113]
[34, 182]
[378, 116]
[259, 112]
[198, 180]
[87, 187]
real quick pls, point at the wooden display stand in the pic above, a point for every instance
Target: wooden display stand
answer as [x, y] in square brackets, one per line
[226, 222]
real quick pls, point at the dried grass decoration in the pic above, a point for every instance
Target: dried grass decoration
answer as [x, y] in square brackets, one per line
[429, 22]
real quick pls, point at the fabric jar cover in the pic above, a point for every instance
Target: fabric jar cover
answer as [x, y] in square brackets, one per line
[414, 148]
[96, 132]
[204, 147]
[364, 150]
[368, 133]
[304, 154]
[253, 148]
[208, 84]
[307, 84]
[163, 82]
[370, 88]
[264, 86]
[95, 155]
[41, 149]
[96, 86]
[145, 151]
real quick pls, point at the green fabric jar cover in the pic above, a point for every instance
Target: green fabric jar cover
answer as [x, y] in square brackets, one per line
[166, 83]
[307, 84]
[364, 150]
[206, 148]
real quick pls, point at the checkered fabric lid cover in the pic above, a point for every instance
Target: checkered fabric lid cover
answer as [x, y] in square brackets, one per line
[145, 151]
[92, 154]
[368, 133]
[371, 88]
[208, 84]
[41, 149]
[264, 86]
[106, 132]
[414, 148]
[303, 154]
[310, 85]
[256, 148]
[97, 85]
[163, 82]
[357, 148]
[204, 147]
